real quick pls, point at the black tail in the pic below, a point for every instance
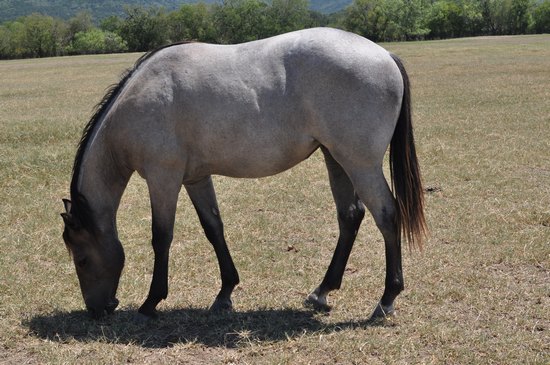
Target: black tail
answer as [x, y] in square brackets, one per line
[405, 172]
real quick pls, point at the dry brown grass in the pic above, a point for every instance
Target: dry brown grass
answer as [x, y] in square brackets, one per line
[479, 293]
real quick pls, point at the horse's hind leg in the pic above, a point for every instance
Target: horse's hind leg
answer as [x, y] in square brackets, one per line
[350, 212]
[374, 191]
[204, 200]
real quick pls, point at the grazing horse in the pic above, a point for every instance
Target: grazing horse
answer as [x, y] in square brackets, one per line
[187, 111]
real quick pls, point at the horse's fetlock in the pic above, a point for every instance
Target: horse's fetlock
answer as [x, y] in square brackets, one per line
[396, 285]
[148, 308]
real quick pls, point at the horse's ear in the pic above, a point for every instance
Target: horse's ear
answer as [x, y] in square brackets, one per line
[67, 203]
[70, 221]
[67, 218]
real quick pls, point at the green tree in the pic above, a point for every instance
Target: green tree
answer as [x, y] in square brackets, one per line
[81, 22]
[411, 20]
[506, 16]
[112, 23]
[448, 19]
[444, 19]
[90, 42]
[12, 35]
[192, 22]
[541, 17]
[114, 43]
[318, 19]
[386, 20]
[472, 18]
[6, 45]
[17, 35]
[144, 29]
[362, 18]
[287, 15]
[492, 11]
[97, 41]
[239, 21]
[520, 16]
[42, 36]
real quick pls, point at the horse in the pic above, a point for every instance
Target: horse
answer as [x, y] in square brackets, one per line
[190, 110]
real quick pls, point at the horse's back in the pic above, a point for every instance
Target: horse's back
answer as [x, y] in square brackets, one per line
[258, 108]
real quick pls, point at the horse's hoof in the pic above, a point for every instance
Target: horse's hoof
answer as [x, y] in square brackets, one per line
[317, 303]
[146, 312]
[382, 312]
[221, 305]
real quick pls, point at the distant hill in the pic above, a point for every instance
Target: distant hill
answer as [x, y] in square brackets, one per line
[329, 6]
[65, 9]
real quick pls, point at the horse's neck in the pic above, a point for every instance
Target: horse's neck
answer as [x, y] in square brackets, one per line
[102, 181]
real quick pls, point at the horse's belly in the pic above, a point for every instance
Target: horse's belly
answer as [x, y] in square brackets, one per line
[250, 159]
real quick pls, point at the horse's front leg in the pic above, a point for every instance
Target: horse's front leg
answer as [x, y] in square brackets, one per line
[203, 196]
[164, 196]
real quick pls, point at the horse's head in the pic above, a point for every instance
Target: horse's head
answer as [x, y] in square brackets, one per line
[98, 259]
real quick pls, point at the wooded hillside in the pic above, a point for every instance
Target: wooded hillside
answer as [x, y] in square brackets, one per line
[100, 9]
[235, 21]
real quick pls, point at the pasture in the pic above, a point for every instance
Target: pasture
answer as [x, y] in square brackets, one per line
[479, 293]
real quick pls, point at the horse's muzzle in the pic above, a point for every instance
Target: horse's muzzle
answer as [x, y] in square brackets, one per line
[97, 313]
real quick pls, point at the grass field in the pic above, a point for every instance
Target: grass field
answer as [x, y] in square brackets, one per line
[478, 294]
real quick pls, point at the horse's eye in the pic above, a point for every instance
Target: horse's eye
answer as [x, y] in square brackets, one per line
[81, 263]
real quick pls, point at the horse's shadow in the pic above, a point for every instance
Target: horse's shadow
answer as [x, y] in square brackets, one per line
[190, 325]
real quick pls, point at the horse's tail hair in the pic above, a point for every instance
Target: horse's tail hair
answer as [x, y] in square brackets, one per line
[405, 172]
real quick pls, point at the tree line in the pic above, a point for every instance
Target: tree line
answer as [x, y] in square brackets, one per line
[235, 21]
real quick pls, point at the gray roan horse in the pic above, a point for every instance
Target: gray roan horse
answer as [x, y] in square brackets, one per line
[187, 111]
